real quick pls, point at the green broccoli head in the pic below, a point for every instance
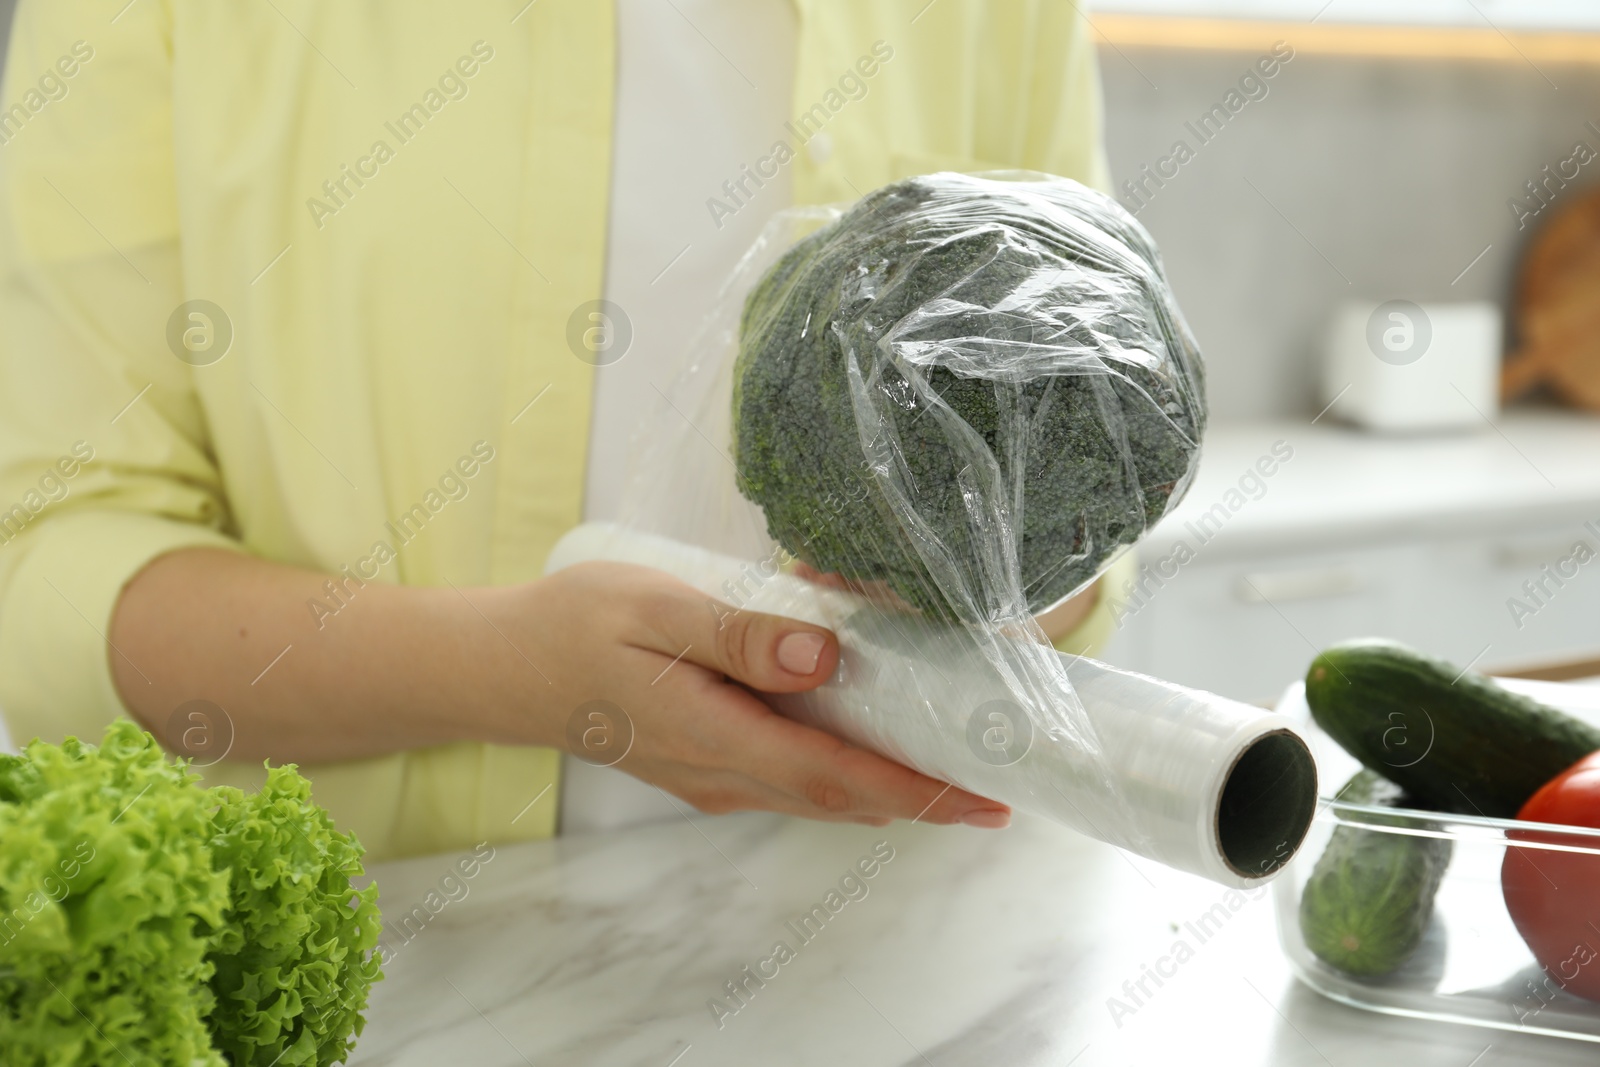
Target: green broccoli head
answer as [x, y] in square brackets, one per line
[969, 389]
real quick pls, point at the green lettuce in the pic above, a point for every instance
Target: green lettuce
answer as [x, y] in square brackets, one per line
[294, 958]
[144, 920]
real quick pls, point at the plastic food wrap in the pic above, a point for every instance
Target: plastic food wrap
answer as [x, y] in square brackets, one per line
[990, 378]
[942, 411]
[1198, 782]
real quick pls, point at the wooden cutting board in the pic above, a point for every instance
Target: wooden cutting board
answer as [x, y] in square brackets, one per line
[1558, 308]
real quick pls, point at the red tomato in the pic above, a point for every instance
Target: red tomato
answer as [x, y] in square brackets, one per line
[1554, 897]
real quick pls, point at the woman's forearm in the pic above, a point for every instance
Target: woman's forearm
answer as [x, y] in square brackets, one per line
[670, 670]
[377, 668]
[392, 668]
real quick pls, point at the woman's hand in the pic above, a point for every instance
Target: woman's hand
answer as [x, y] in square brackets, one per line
[681, 665]
[403, 667]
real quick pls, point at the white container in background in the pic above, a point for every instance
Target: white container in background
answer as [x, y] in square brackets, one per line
[1401, 366]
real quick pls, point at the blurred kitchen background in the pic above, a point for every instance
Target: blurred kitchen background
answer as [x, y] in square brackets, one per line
[1393, 157]
[1389, 159]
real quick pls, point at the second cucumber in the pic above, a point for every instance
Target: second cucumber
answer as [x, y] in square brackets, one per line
[1367, 903]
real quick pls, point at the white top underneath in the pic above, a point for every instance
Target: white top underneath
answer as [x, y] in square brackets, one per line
[703, 88]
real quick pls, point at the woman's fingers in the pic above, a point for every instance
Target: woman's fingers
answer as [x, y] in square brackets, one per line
[833, 776]
[721, 792]
[702, 730]
[768, 653]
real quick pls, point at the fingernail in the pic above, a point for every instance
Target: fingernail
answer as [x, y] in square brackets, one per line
[798, 653]
[987, 819]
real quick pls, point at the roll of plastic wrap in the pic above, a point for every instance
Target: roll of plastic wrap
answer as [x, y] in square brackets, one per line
[1200, 783]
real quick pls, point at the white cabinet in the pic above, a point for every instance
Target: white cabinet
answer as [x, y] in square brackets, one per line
[1424, 540]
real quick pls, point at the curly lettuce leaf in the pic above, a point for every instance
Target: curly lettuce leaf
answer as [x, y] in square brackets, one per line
[147, 921]
[107, 889]
[294, 957]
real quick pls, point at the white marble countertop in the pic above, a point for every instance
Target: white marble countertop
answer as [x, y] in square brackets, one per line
[970, 947]
[1344, 485]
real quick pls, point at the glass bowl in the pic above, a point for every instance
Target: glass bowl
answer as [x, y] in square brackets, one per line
[1471, 966]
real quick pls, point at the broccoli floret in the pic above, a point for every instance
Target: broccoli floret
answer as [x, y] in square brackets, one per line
[966, 387]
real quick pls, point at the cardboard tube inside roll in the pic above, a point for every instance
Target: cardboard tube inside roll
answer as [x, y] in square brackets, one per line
[1203, 784]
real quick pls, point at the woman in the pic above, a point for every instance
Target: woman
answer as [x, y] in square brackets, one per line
[301, 295]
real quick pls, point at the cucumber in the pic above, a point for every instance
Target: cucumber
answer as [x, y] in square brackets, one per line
[1367, 903]
[1455, 742]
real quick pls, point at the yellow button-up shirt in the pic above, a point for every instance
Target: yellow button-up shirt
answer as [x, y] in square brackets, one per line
[364, 226]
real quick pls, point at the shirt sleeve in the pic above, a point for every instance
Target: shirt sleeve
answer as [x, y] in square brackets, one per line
[104, 458]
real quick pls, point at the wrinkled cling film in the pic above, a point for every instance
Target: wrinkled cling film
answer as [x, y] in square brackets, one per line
[1000, 364]
[921, 420]
[992, 376]
[1196, 781]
